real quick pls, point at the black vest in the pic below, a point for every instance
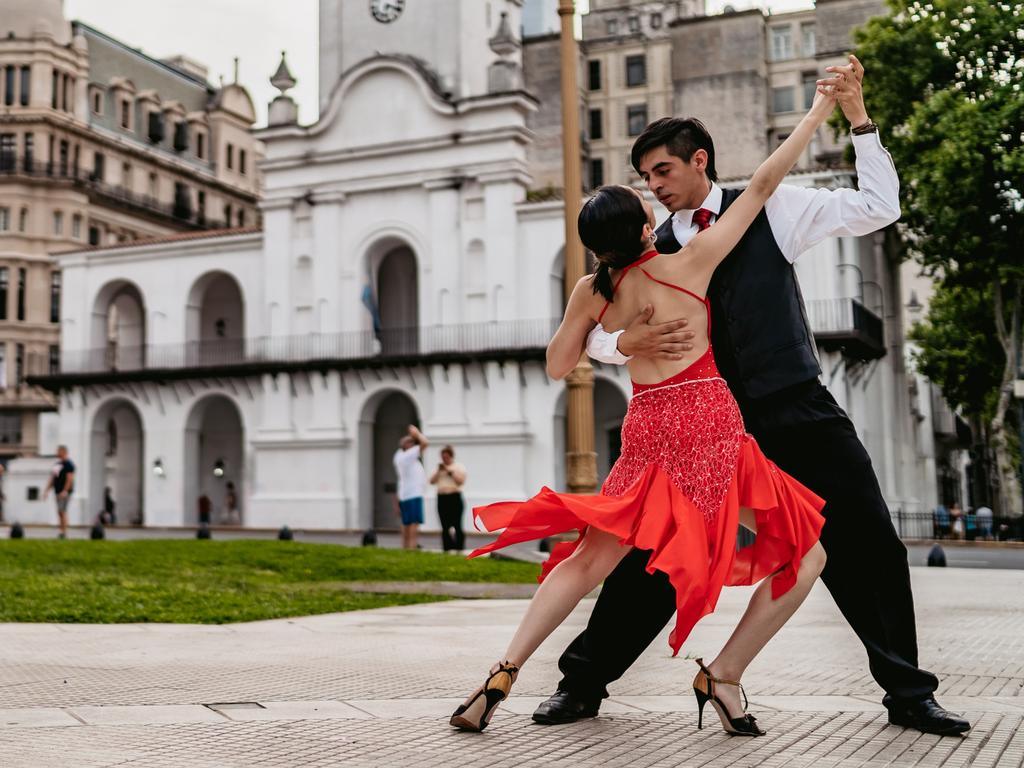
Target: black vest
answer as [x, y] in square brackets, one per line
[758, 323]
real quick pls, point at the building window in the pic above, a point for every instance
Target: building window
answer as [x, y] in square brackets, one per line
[596, 172]
[180, 136]
[26, 85]
[810, 83]
[63, 162]
[227, 215]
[782, 43]
[19, 364]
[54, 87]
[656, 21]
[99, 166]
[154, 187]
[5, 219]
[201, 207]
[242, 164]
[66, 104]
[636, 119]
[4, 284]
[97, 102]
[782, 99]
[23, 220]
[231, 157]
[9, 87]
[76, 226]
[594, 74]
[54, 359]
[126, 176]
[182, 201]
[29, 156]
[58, 222]
[636, 70]
[55, 297]
[10, 425]
[3, 385]
[155, 130]
[808, 45]
[7, 151]
[94, 235]
[596, 124]
[634, 23]
[21, 293]
[241, 217]
[126, 114]
[613, 27]
[200, 145]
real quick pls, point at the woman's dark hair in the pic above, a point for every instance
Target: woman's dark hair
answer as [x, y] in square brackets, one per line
[681, 137]
[611, 224]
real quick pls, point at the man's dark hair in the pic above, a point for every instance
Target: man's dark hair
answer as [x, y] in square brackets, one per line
[680, 136]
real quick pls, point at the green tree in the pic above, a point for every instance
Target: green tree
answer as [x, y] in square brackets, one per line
[945, 79]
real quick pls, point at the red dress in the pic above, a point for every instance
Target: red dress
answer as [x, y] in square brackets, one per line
[686, 467]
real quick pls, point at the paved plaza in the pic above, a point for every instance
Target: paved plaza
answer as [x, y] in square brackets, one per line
[375, 688]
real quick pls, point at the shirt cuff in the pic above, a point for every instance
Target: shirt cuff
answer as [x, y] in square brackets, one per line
[867, 144]
[605, 346]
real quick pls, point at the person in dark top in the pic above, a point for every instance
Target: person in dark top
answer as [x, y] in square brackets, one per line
[62, 481]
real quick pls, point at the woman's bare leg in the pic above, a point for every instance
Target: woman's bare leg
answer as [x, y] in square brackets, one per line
[569, 582]
[762, 619]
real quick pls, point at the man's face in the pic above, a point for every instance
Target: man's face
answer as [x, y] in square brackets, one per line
[406, 443]
[678, 184]
[62, 453]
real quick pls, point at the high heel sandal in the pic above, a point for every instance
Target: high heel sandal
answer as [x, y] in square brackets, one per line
[704, 689]
[475, 713]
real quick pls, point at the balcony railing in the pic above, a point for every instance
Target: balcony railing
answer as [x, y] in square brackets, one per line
[520, 339]
[848, 326]
[22, 167]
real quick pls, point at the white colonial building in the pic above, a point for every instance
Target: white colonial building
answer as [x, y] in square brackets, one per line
[402, 274]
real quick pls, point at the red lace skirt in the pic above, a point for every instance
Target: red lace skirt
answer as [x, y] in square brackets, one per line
[686, 468]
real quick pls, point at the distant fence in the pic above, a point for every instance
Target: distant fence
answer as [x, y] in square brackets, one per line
[917, 526]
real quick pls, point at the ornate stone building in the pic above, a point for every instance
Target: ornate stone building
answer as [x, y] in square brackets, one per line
[99, 145]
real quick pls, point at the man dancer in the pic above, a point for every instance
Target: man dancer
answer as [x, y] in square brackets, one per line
[767, 355]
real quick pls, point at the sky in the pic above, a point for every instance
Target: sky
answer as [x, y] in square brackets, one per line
[213, 32]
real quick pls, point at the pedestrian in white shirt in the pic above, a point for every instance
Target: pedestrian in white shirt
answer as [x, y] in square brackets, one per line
[412, 484]
[767, 355]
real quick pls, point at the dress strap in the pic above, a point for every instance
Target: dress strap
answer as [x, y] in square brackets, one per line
[645, 257]
[702, 299]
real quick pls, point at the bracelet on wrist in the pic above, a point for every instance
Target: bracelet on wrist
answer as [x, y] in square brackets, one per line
[868, 127]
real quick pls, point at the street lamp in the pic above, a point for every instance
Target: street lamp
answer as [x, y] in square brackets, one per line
[581, 460]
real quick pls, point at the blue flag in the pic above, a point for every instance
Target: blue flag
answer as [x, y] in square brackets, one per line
[371, 306]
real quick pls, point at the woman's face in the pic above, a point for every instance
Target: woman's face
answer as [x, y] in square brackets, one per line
[446, 457]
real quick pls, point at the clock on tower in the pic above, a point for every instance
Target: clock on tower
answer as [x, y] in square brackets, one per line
[386, 11]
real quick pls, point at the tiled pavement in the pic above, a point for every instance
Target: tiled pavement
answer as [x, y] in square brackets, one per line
[374, 689]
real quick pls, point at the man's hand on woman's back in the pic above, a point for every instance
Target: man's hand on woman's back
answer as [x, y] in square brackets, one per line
[665, 341]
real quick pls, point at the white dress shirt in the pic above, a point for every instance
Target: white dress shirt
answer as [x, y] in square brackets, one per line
[799, 217]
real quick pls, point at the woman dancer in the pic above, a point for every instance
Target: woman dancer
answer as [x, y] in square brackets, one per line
[688, 474]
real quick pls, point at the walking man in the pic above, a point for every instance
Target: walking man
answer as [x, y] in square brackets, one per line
[62, 481]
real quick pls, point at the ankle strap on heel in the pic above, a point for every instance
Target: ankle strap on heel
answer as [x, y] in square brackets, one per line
[712, 679]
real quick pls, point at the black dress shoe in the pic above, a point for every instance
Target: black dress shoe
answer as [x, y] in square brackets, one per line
[565, 707]
[927, 716]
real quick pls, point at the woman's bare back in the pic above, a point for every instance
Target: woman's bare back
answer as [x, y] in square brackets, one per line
[638, 289]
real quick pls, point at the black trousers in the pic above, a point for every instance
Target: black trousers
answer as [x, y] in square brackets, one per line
[449, 509]
[867, 572]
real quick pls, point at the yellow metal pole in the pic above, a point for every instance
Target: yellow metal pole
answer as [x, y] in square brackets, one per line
[581, 471]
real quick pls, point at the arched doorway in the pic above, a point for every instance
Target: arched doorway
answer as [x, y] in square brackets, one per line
[385, 420]
[115, 461]
[609, 410]
[215, 320]
[118, 334]
[215, 460]
[398, 302]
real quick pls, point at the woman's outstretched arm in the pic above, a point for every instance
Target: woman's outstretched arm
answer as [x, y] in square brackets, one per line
[566, 345]
[713, 244]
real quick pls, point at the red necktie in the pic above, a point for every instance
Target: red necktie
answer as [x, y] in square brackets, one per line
[702, 218]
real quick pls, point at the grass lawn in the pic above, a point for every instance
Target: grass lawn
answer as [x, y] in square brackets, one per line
[213, 582]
